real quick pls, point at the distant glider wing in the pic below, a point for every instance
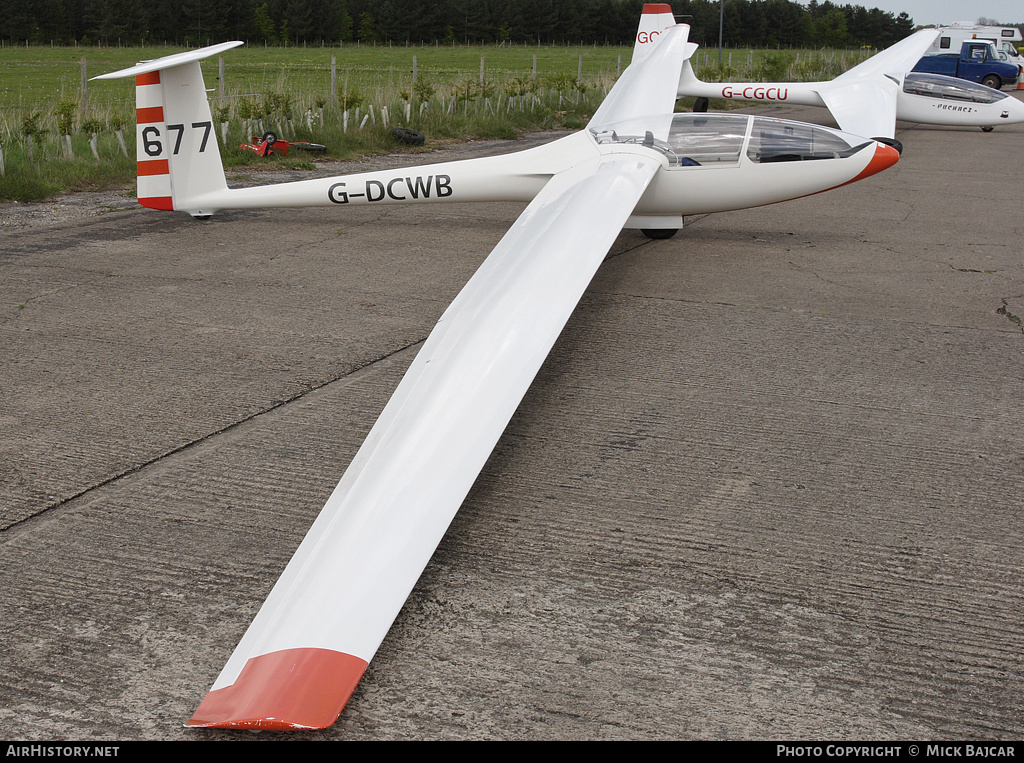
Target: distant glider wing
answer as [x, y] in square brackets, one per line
[896, 59]
[308, 646]
[863, 99]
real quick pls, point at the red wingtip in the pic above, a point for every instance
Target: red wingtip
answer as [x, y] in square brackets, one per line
[285, 690]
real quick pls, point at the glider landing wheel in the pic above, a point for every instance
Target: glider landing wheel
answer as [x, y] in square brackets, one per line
[700, 105]
[660, 233]
[405, 135]
[987, 128]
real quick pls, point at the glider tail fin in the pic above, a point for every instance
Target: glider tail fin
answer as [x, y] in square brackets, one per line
[178, 159]
[687, 76]
[691, 85]
[655, 18]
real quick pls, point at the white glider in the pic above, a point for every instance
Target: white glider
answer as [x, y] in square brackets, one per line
[635, 165]
[870, 97]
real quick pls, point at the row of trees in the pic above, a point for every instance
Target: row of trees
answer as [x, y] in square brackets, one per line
[754, 23]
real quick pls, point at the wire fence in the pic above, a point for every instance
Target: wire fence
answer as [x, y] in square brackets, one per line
[345, 99]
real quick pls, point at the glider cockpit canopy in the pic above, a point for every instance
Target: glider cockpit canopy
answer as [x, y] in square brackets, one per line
[719, 140]
[950, 88]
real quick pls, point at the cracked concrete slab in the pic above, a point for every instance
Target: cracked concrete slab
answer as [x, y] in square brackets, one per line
[767, 485]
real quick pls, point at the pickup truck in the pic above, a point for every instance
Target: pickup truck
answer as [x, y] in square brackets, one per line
[977, 62]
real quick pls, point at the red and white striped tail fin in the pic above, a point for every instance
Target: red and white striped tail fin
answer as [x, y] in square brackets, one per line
[178, 159]
[655, 19]
[154, 174]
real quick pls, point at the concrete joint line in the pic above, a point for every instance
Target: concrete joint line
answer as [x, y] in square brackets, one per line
[16, 529]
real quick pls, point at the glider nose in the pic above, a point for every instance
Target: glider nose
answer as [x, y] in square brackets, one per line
[884, 158]
[1013, 110]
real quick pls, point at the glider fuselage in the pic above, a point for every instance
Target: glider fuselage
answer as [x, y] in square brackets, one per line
[709, 163]
[947, 101]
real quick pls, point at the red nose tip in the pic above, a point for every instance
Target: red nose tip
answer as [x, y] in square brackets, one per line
[885, 157]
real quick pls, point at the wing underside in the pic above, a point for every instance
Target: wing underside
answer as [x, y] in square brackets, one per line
[305, 651]
[863, 107]
[863, 99]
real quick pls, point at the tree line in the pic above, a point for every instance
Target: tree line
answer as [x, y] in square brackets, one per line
[748, 23]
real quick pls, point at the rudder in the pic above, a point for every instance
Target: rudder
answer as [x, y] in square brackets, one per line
[178, 160]
[655, 19]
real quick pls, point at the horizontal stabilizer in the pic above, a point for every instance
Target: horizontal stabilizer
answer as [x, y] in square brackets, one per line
[169, 62]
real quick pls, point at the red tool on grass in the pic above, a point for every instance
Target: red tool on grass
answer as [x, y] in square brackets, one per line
[271, 144]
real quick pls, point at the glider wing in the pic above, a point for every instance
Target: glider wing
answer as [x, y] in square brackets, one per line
[308, 646]
[863, 107]
[896, 59]
[863, 99]
[649, 85]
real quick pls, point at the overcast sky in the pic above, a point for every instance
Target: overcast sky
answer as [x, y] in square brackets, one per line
[928, 12]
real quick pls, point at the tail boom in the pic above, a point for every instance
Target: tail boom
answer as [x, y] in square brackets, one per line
[509, 177]
[796, 93]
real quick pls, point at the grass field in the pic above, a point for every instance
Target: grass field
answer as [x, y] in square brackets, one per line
[347, 98]
[32, 77]
[39, 75]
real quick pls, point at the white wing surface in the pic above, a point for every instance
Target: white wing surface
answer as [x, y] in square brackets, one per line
[308, 646]
[863, 106]
[863, 99]
[644, 87]
[896, 59]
